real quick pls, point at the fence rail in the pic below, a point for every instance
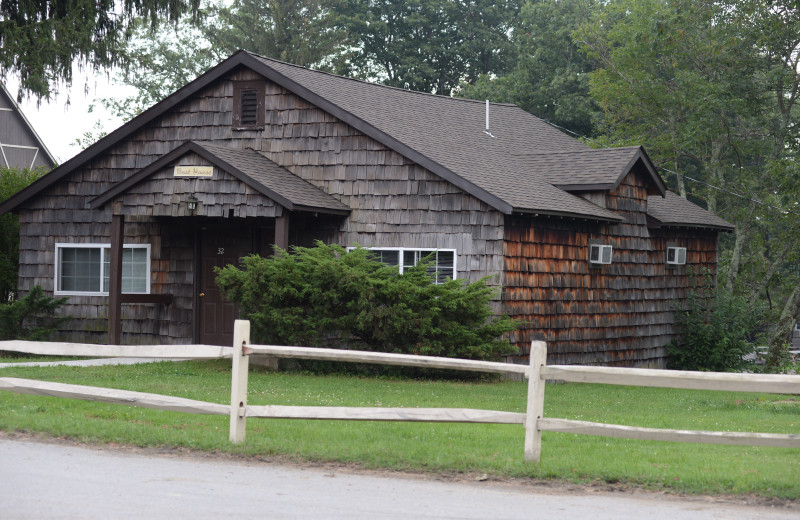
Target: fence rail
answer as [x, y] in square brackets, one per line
[533, 420]
[45, 348]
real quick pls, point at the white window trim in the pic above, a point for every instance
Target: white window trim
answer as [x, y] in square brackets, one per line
[102, 247]
[402, 250]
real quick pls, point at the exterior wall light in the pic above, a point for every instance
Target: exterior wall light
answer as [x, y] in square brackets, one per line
[191, 203]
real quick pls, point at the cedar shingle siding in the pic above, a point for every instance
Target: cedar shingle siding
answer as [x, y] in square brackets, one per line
[355, 163]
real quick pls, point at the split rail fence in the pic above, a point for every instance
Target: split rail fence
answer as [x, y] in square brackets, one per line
[533, 420]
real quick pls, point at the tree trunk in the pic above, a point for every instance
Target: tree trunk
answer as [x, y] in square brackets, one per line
[736, 257]
[773, 268]
[716, 178]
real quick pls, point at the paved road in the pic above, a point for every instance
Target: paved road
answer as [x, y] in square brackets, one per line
[56, 481]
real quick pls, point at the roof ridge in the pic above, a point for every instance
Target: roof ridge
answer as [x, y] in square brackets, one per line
[366, 82]
[571, 152]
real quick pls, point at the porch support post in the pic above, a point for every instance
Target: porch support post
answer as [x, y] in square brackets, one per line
[115, 281]
[282, 231]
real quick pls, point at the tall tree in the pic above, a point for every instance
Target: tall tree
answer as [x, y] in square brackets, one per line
[550, 76]
[158, 63]
[296, 31]
[41, 39]
[711, 88]
[427, 45]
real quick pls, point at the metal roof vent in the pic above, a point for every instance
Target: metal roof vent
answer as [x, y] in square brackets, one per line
[487, 132]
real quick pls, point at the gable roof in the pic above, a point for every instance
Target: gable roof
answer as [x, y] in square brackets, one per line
[442, 134]
[250, 167]
[20, 145]
[592, 169]
[674, 210]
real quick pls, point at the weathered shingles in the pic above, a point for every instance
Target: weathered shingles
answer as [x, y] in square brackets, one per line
[585, 167]
[275, 178]
[450, 131]
[674, 210]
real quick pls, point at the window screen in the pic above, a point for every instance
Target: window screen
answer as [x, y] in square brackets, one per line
[84, 269]
[442, 266]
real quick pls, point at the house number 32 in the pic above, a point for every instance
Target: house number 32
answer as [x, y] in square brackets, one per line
[220, 250]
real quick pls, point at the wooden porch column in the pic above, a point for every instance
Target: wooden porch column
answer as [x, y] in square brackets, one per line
[115, 280]
[282, 231]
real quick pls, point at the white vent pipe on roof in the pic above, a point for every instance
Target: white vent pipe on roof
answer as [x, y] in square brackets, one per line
[487, 132]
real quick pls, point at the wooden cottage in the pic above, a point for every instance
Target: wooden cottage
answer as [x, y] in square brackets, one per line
[589, 247]
[20, 145]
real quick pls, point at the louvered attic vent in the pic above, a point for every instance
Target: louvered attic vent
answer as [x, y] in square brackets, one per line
[249, 104]
[600, 254]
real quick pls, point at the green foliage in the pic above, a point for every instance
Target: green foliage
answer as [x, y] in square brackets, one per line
[429, 46]
[328, 296]
[779, 359]
[296, 31]
[716, 327]
[41, 39]
[445, 448]
[159, 63]
[550, 77]
[32, 317]
[12, 180]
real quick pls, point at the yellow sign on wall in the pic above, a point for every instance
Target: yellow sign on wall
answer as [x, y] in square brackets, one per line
[194, 171]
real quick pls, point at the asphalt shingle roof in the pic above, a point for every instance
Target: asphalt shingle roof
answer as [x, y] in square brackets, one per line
[450, 132]
[674, 210]
[275, 178]
[602, 168]
[525, 164]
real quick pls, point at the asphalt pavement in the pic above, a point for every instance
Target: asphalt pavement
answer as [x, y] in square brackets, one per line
[43, 480]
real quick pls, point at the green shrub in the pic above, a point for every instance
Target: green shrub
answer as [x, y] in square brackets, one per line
[715, 328]
[12, 180]
[327, 296]
[32, 317]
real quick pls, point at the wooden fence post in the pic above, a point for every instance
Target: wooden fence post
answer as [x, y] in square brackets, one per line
[535, 409]
[240, 366]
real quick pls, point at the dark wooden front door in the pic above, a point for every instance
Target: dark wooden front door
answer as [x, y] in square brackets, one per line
[218, 248]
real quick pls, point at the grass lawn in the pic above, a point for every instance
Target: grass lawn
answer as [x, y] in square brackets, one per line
[493, 449]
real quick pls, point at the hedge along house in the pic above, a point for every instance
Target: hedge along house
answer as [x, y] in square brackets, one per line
[590, 249]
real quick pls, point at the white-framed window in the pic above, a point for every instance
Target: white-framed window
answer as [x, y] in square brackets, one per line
[676, 255]
[83, 269]
[600, 253]
[443, 261]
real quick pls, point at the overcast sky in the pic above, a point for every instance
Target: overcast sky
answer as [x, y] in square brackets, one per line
[59, 125]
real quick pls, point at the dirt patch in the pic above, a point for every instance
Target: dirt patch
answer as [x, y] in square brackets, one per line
[542, 486]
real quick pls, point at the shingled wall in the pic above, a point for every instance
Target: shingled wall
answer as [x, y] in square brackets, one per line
[618, 314]
[395, 203]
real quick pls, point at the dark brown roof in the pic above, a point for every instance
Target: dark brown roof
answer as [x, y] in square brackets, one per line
[590, 169]
[674, 210]
[446, 135]
[250, 167]
[524, 165]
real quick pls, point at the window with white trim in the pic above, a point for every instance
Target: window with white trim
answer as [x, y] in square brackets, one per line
[83, 269]
[443, 261]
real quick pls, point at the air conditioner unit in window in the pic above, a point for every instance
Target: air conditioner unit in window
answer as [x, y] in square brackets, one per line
[600, 254]
[676, 255]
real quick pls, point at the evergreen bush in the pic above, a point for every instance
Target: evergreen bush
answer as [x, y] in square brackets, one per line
[33, 317]
[328, 296]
